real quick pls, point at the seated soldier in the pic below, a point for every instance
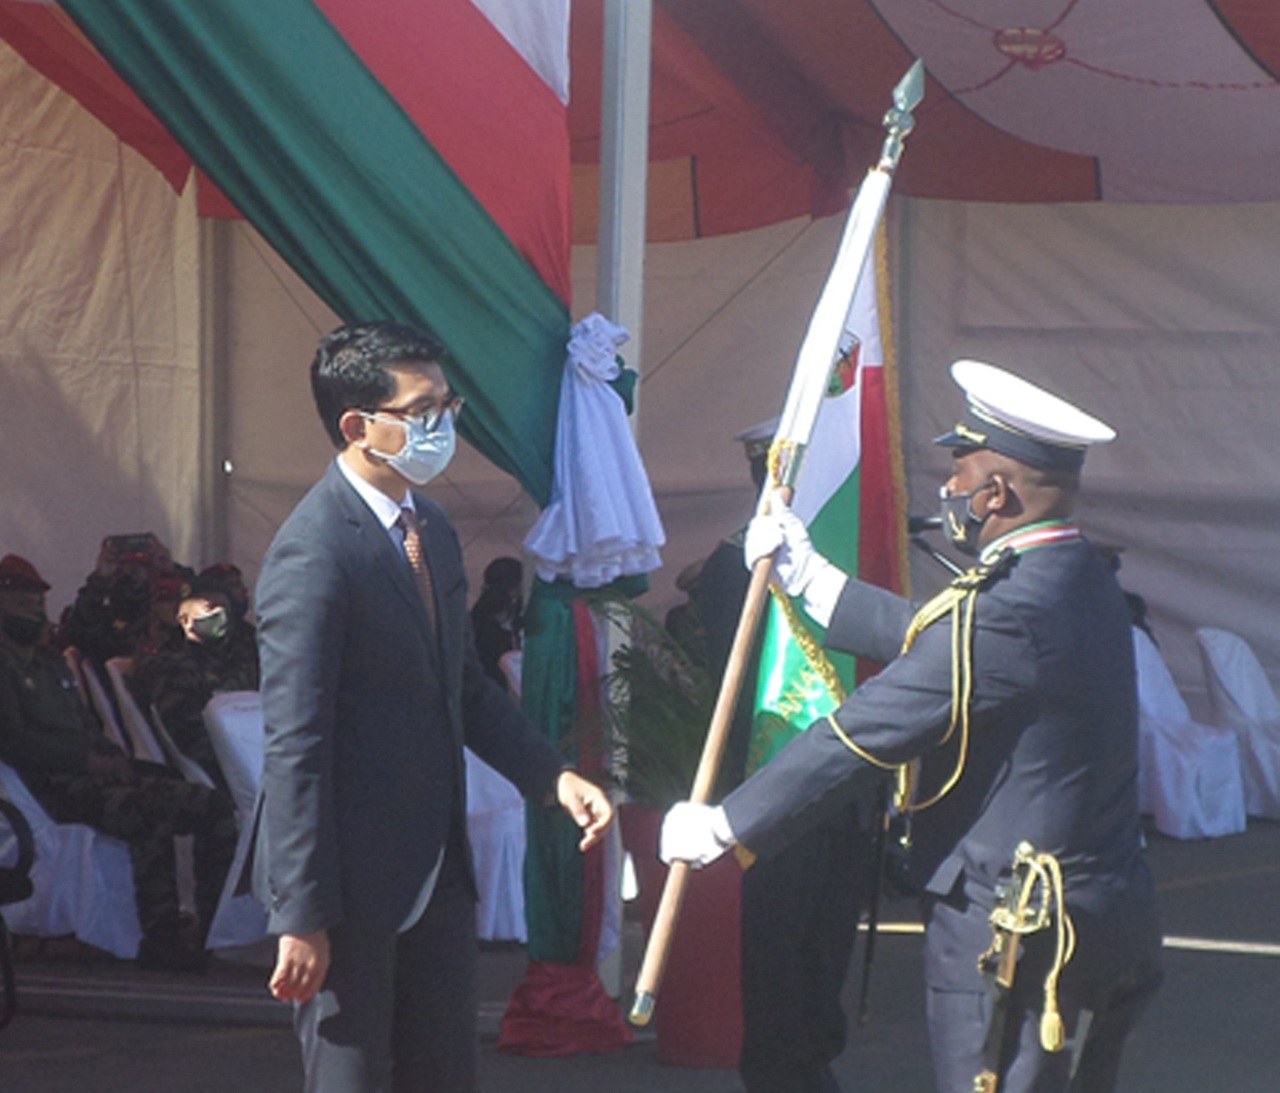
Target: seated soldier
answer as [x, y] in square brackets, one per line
[219, 653]
[49, 736]
[124, 604]
[233, 580]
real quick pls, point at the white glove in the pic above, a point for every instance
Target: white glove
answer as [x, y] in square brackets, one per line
[800, 569]
[697, 834]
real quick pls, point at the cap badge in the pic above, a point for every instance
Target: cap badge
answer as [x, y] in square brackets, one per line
[964, 432]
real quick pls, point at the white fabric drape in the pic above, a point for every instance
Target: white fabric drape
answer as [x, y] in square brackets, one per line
[601, 522]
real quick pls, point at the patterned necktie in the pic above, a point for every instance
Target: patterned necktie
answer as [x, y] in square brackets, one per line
[418, 562]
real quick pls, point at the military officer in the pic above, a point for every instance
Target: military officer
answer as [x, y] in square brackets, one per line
[1011, 700]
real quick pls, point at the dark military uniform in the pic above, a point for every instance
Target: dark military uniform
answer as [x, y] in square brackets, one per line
[180, 683]
[48, 735]
[1051, 759]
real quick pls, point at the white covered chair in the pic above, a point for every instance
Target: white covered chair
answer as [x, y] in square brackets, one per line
[94, 692]
[234, 722]
[1243, 701]
[495, 826]
[495, 823]
[1189, 775]
[146, 744]
[83, 881]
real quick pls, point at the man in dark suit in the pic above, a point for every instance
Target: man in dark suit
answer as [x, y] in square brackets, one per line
[371, 687]
[1013, 695]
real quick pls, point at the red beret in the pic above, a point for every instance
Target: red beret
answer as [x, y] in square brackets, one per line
[16, 572]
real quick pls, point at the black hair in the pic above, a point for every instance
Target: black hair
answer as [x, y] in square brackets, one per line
[353, 368]
[504, 574]
[206, 585]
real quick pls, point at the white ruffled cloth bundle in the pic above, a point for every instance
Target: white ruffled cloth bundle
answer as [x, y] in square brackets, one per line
[601, 523]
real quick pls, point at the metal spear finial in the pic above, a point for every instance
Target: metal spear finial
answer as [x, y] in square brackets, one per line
[898, 120]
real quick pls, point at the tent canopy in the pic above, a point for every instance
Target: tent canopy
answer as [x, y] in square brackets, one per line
[763, 111]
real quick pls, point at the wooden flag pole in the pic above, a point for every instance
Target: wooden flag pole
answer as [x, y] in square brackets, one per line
[664, 922]
[795, 428]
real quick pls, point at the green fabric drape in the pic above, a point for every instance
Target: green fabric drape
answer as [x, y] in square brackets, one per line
[553, 865]
[271, 102]
[553, 873]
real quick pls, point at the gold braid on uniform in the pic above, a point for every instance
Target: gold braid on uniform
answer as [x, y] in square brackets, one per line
[959, 600]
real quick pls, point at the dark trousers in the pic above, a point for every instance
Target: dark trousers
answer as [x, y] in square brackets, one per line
[148, 813]
[398, 1013]
[800, 912]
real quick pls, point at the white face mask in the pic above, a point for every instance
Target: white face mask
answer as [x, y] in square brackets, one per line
[427, 450]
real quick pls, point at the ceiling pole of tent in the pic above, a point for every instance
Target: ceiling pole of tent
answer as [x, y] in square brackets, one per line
[215, 456]
[624, 169]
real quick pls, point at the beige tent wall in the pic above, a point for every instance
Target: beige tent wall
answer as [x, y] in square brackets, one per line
[1163, 320]
[99, 379]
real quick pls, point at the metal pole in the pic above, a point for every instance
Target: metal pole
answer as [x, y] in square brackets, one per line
[624, 185]
[624, 169]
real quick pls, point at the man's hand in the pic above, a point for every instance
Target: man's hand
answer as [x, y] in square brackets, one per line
[302, 962]
[697, 834]
[587, 804]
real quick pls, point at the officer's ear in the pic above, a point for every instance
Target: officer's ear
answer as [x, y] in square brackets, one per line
[1000, 498]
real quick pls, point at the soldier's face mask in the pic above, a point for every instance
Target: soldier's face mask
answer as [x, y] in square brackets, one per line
[211, 627]
[23, 630]
[961, 525]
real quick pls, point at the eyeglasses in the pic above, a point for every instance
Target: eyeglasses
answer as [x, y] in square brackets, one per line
[430, 416]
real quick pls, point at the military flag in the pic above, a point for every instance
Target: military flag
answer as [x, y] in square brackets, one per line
[849, 495]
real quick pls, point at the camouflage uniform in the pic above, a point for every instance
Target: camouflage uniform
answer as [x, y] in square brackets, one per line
[48, 735]
[180, 683]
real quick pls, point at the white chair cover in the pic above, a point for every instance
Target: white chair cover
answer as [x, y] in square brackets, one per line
[495, 822]
[1189, 775]
[1242, 700]
[187, 767]
[152, 743]
[83, 881]
[234, 722]
[495, 826]
[511, 663]
[145, 744]
[91, 685]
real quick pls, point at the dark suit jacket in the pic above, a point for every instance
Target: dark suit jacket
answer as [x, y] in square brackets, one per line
[1052, 754]
[366, 717]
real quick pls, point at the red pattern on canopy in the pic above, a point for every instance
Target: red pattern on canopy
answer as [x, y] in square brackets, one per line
[763, 111]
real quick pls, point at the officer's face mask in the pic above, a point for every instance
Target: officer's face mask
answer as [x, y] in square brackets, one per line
[210, 628]
[23, 630]
[961, 525]
[429, 443]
